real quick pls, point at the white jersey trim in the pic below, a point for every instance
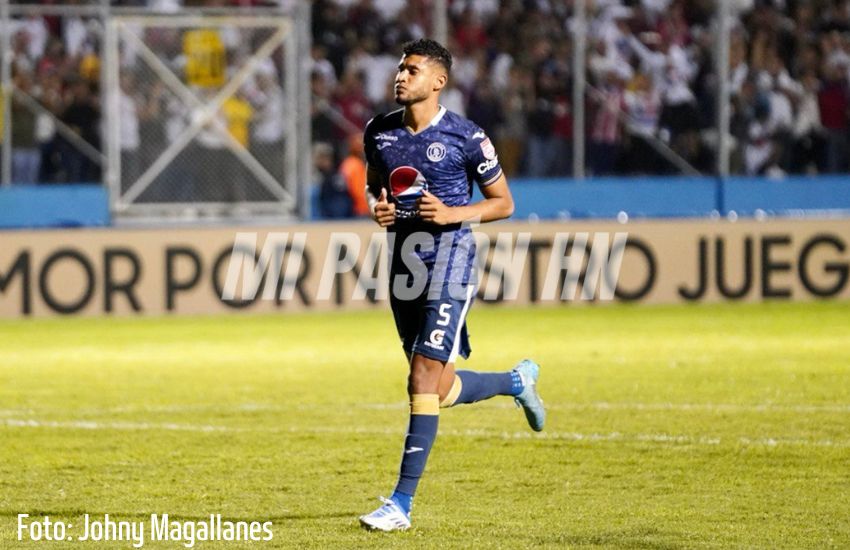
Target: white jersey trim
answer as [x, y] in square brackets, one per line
[440, 114]
[434, 121]
[491, 180]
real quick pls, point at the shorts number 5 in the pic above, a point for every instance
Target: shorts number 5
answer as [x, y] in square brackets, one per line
[445, 315]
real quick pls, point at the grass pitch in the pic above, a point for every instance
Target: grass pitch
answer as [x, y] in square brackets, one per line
[724, 426]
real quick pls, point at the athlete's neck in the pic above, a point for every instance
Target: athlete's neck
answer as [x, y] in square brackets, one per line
[419, 115]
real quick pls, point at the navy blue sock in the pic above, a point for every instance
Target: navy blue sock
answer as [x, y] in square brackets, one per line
[421, 432]
[477, 386]
[404, 500]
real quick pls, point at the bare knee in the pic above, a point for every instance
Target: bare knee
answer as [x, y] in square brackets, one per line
[425, 375]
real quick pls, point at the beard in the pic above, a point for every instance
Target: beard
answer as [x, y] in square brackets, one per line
[409, 98]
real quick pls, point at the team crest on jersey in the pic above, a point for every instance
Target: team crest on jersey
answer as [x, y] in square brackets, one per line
[436, 152]
[488, 149]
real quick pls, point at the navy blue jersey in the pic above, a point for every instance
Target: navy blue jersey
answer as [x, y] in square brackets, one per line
[444, 159]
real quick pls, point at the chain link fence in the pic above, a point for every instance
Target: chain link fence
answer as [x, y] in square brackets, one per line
[204, 114]
[194, 113]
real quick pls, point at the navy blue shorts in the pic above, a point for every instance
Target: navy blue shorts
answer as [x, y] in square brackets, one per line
[432, 322]
[435, 328]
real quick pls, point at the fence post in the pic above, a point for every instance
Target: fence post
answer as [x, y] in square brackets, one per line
[721, 55]
[579, 54]
[303, 17]
[6, 93]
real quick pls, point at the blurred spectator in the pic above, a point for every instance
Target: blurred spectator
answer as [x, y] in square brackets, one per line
[129, 106]
[760, 153]
[643, 107]
[351, 102]
[484, 108]
[30, 35]
[26, 157]
[238, 114]
[353, 172]
[334, 197]
[510, 139]
[834, 101]
[82, 115]
[378, 68]
[152, 126]
[209, 151]
[267, 130]
[606, 136]
[49, 95]
[808, 130]
[320, 64]
[452, 98]
[321, 125]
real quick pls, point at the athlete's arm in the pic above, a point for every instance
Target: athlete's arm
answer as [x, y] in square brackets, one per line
[382, 210]
[497, 204]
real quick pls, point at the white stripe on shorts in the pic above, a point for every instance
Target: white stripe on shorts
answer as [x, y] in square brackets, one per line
[456, 347]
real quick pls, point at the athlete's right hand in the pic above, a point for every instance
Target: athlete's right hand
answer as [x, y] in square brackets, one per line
[384, 211]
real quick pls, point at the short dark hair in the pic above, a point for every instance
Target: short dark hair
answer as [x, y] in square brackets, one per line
[429, 48]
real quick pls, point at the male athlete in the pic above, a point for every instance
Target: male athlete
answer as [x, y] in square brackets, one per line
[422, 161]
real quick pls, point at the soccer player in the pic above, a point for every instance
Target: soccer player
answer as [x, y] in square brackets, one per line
[422, 160]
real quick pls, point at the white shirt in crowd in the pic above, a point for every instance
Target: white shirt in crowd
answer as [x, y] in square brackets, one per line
[453, 100]
[644, 110]
[74, 33]
[36, 31]
[500, 71]
[378, 70]
[781, 117]
[128, 122]
[671, 72]
[465, 71]
[808, 115]
[759, 148]
[738, 77]
[268, 127]
[389, 9]
[324, 68]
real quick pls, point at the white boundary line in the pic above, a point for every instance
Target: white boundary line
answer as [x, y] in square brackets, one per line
[401, 405]
[569, 436]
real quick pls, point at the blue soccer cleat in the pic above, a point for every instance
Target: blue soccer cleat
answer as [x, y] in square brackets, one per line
[530, 402]
[389, 517]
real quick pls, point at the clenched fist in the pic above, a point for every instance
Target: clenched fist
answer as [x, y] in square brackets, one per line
[384, 211]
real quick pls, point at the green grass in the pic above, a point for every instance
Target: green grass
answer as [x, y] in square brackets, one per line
[723, 426]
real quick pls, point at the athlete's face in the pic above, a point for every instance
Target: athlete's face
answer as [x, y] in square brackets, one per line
[418, 78]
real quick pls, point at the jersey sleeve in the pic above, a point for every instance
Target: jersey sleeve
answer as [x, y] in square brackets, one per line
[482, 163]
[369, 145]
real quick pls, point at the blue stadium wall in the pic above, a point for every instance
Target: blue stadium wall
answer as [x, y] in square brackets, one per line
[28, 206]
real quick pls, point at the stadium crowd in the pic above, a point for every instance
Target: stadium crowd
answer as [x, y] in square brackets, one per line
[651, 73]
[650, 70]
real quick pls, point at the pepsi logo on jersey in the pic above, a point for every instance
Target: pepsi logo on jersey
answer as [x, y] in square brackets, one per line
[407, 184]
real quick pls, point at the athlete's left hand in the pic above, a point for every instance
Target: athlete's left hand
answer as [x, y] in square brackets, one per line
[432, 209]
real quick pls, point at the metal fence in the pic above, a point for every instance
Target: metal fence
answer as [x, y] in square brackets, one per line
[195, 114]
[204, 114]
